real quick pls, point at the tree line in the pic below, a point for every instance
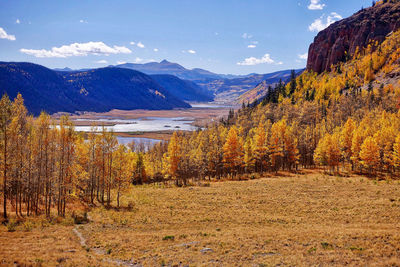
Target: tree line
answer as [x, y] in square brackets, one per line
[47, 166]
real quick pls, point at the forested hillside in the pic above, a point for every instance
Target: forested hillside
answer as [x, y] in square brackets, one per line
[345, 118]
[96, 90]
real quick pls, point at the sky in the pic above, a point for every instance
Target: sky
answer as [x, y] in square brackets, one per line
[223, 36]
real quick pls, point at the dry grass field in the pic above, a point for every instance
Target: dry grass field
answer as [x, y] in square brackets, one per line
[303, 220]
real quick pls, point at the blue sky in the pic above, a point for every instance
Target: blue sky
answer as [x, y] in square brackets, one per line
[223, 36]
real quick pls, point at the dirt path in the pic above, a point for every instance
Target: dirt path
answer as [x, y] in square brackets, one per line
[100, 251]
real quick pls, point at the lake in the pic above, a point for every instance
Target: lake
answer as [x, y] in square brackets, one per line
[148, 124]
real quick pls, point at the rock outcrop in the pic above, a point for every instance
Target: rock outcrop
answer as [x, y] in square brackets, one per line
[370, 24]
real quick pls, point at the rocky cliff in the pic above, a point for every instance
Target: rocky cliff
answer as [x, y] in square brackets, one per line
[374, 23]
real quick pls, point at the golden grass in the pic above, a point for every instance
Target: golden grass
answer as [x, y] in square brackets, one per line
[302, 220]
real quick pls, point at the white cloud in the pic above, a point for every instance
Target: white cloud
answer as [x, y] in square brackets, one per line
[140, 45]
[138, 60]
[18, 21]
[251, 61]
[78, 49]
[279, 63]
[155, 49]
[247, 36]
[132, 43]
[319, 24]
[190, 51]
[303, 56]
[251, 46]
[103, 61]
[83, 21]
[316, 5]
[4, 35]
[121, 62]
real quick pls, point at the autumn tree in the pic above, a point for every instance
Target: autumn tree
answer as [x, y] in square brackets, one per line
[369, 154]
[260, 147]
[396, 153]
[233, 150]
[173, 157]
[5, 120]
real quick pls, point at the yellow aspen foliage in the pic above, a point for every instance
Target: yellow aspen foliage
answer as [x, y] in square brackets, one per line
[356, 143]
[249, 159]
[346, 139]
[327, 152]
[276, 144]
[122, 170]
[174, 155]
[396, 153]
[292, 152]
[320, 155]
[369, 154]
[233, 148]
[260, 147]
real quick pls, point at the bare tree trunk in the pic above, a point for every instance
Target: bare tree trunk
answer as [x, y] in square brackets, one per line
[5, 175]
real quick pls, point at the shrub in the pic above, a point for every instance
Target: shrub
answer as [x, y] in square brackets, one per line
[169, 237]
[28, 226]
[80, 219]
[11, 225]
[131, 205]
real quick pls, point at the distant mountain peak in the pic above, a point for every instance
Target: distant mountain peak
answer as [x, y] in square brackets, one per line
[171, 68]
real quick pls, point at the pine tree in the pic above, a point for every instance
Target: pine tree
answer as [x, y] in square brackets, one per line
[293, 83]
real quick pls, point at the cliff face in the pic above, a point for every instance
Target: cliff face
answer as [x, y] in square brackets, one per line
[373, 23]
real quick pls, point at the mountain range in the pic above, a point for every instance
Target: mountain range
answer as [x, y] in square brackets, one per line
[122, 87]
[226, 88]
[231, 90]
[166, 67]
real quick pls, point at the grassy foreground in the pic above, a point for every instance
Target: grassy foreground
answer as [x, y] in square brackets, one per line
[304, 220]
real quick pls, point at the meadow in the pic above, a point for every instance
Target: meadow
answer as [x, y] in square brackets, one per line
[292, 219]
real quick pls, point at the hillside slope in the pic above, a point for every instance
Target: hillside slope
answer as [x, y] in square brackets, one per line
[262, 88]
[229, 90]
[117, 88]
[95, 90]
[183, 89]
[42, 88]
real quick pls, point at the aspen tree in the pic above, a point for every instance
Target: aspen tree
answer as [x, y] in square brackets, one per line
[260, 147]
[5, 120]
[173, 156]
[233, 148]
[396, 153]
[369, 154]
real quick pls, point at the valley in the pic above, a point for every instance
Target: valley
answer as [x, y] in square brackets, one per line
[112, 155]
